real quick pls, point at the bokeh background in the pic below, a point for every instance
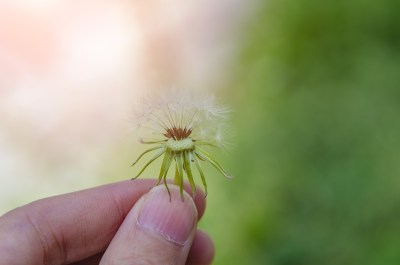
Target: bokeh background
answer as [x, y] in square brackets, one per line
[314, 86]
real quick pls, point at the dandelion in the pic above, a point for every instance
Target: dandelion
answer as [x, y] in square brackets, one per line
[179, 128]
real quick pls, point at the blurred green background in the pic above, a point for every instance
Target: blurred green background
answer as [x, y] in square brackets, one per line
[317, 106]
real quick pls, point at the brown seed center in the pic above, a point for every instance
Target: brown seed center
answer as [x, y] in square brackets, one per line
[178, 133]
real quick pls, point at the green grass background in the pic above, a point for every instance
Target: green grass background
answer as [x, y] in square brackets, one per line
[317, 159]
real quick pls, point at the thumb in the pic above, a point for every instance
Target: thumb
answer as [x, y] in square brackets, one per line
[157, 230]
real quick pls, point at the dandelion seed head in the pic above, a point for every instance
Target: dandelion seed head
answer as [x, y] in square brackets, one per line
[181, 124]
[180, 115]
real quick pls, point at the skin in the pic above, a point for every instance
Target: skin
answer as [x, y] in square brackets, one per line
[100, 226]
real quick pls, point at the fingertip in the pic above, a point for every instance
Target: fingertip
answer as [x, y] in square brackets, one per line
[202, 251]
[156, 231]
[199, 199]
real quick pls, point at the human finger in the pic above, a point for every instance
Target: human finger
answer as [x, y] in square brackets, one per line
[202, 250]
[93, 260]
[158, 230]
[71, 227]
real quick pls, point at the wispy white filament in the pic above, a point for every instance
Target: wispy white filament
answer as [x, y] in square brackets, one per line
[181, 110]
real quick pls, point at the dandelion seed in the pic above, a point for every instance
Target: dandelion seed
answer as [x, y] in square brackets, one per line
[180, 126]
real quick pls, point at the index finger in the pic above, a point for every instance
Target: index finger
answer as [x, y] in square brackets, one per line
[68, 228]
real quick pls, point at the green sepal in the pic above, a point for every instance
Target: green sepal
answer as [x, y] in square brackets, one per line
[164, 166]
[187, 158]
[176, 176]
[145, 152]
[162, 151]
[206, 156]
[206, 143]
[166, 186]
[179, 164]
[203, 179]
[151, 142]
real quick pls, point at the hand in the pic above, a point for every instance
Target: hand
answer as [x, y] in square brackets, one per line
[121, 223]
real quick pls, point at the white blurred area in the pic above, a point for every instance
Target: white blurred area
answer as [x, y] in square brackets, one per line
[71, 70]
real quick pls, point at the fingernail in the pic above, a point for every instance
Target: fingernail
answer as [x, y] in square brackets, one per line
[173, 219]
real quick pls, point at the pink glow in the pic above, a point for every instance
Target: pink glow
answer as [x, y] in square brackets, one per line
[71, 70]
